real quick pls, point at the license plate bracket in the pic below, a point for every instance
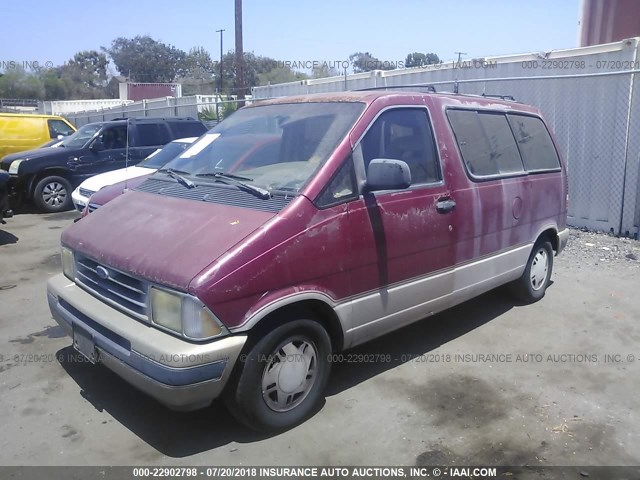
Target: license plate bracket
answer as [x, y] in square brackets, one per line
[83, 343]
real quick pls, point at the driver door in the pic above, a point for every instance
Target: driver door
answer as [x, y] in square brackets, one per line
[401, 240]
[107, 152]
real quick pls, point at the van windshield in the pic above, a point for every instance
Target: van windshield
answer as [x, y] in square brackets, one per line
[81, 137]
[277, 147]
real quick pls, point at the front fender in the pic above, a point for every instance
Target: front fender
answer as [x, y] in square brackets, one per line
[300, 296]
[273, 301]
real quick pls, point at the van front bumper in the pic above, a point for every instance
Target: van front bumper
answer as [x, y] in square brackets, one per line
[181, 375]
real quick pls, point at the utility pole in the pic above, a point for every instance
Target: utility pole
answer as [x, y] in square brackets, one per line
[220, 32]
[239, 54]
[459, 55]
[455, 85]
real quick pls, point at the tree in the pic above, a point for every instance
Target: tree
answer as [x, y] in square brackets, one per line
[254, 66]
[82, 77]
[280, 74]
[366, 62]
[143, 59]
[324, 71]
[55, 88]
[89, 67]
[112, 90]
[18, 83]
[198, 64]
[417, 59]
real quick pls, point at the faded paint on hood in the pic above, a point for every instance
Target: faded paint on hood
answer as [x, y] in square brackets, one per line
[163, 239]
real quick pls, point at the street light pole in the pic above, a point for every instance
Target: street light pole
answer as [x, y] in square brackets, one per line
[220, 32]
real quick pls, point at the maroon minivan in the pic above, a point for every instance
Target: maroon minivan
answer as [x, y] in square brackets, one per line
[372, 211]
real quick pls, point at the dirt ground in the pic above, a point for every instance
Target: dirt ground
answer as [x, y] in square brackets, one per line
[488, 382]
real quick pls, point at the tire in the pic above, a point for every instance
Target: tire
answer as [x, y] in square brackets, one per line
[533, 283]
[52, 194]
[300, 346]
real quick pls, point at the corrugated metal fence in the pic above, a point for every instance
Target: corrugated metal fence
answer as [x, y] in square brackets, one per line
[190, 106]
[590, 97]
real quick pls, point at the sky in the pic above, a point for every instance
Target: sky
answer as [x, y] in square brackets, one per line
[294, 30]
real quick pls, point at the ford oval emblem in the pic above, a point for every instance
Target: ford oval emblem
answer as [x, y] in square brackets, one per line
[102, 272]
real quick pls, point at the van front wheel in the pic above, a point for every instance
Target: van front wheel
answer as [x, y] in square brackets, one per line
[52, 194]
[532, 285]
[282, 378]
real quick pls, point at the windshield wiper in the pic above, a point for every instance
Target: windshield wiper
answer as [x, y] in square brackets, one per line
[175, 174]
[224, 175]
[231, 179]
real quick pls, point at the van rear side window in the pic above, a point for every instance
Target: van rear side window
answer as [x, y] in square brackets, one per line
[486, 143]
[534, 141]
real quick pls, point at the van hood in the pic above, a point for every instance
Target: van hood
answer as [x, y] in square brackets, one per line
[163, 239]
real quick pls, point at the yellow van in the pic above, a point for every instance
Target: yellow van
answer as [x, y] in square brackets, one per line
[23, 131]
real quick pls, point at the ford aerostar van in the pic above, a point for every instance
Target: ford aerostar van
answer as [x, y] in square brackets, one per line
[372, 211]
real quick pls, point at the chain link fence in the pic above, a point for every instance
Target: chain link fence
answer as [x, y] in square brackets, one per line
[589, 96]
[596, 127]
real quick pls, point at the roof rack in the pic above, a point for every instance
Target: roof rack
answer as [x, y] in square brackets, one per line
[430, 88]
[501, 97]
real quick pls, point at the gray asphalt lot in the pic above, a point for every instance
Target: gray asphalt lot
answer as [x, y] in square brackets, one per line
[488, 382]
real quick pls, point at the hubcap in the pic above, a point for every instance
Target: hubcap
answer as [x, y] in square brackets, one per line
[289, 375]
[54, 194]
[539, 269]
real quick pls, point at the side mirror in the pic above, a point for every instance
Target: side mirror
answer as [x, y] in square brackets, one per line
[388, 174]
[60, 137]
[97, 145]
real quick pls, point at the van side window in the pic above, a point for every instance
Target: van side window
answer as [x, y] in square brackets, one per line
[58, 127]
[404, 134]
[536, 146]
[342, 186]
[486, 142]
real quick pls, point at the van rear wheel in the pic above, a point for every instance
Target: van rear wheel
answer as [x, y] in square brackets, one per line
[282, 378]
[52, 194]
[533, 283]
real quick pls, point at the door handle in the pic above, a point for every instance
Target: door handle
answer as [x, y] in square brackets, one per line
[445, 205]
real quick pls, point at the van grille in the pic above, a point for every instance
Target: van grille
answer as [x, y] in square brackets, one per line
[116, 288]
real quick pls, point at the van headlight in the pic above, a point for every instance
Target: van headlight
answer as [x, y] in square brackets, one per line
[183, 314]
[68, 263]
[13, 168]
